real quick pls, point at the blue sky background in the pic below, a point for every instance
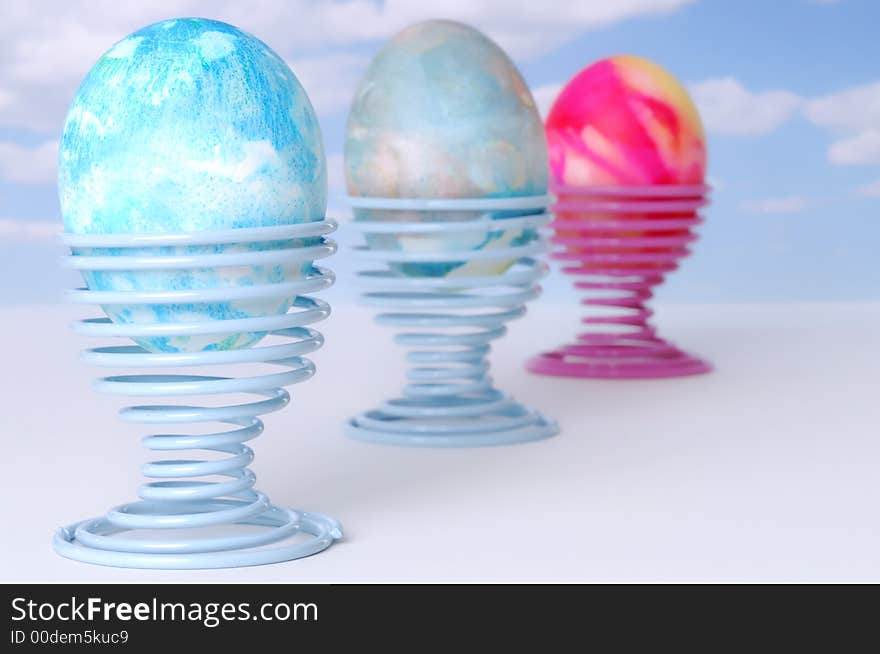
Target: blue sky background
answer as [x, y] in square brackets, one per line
[789, 91]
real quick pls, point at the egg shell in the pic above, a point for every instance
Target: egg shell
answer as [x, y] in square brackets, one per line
[442, 112]
[625, 121]
[191, 125]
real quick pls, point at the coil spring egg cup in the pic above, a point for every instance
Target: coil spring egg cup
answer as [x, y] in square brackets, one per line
[450, 322]
[189, 521]
[620, 242]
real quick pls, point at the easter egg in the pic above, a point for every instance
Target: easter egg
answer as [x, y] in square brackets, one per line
[626, 121]
[442, 112]
[191, 125]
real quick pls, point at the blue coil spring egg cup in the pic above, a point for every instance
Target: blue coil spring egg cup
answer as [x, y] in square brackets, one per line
[203, 513]
[449, 323]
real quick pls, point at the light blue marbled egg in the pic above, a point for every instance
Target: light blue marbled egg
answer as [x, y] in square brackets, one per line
[443, 112]
[191, 125]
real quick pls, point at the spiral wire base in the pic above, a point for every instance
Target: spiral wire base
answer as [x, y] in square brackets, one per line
[203, 513]
[449, 323]
[620, 243]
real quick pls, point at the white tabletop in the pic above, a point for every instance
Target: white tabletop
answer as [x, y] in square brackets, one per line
[766, 469]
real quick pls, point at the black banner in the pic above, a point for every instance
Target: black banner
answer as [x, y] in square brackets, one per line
[262, 616]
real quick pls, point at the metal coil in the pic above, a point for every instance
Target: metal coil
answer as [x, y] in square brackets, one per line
[191, 514]
[449, 322]
[620, 242]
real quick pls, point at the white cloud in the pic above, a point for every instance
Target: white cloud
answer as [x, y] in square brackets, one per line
[855, 108]
[46, 48]
[871, 190]
[330, 80]
[855, 114]
[17, 229]
[788, 204]
[520, 26]
[545, 96]
[728, 107]
[26, 165]
[863, 148]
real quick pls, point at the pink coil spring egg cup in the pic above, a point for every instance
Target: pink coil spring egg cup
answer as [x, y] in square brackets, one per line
[620, 242]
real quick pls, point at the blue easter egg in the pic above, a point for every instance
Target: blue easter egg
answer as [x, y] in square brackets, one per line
[191, 125]
[443, 112]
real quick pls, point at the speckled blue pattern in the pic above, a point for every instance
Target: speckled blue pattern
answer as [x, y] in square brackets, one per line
[443, 112]
[191, 125]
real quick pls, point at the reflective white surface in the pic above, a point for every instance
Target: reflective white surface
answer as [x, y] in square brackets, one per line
[765, 469]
